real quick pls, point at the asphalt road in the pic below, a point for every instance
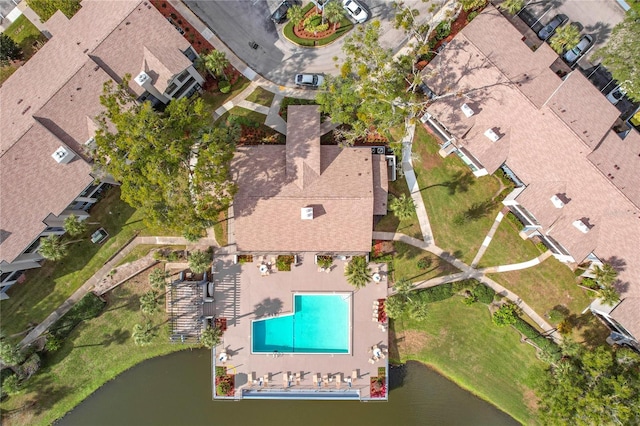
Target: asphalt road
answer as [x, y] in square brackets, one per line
[237, 23]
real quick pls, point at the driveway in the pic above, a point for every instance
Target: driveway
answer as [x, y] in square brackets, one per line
[237, 23]
[594, 17]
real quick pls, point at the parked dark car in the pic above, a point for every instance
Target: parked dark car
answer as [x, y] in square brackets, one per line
[548, 30]
[280, 14]
[583, 45]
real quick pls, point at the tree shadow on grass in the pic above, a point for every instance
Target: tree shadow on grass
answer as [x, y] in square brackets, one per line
[460, 182]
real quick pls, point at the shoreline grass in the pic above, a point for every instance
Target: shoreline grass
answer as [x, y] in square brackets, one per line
[96, 351]
[462, 344]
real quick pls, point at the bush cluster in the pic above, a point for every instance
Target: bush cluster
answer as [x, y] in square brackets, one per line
[436, 294]
[283, 262]
[483, 294]
[548, 346]
[514, 219]
[443, 30]
[244, 121]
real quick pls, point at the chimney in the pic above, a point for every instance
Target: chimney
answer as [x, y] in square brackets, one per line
[146, 83]
[63, 155]
[492, 135]
[466, 109]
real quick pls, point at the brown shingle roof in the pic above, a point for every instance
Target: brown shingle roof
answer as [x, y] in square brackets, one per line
[619, 160]
[267, 207]
[33, 186]
[380, 185]
[303, 145]
[582, 107]
[627, 313]
[543, 150]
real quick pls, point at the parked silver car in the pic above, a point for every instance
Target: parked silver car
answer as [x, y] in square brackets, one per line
[310, 80]
[616, 94]
[583, 45]
[548, 30]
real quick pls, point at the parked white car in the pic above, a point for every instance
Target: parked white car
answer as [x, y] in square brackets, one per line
[616, 94]
[355, 10]
[310, 80]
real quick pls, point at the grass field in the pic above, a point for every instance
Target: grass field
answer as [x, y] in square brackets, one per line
[216, 100]
[47, 287]
[449, 189]
[405, 264]
[23, 32]
[507, 247]
[546, 285]
[261, 96]
[462, 343]
[220, 229]
[390, 223]
[95, 352]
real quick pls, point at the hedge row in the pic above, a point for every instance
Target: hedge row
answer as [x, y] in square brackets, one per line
[545, 344]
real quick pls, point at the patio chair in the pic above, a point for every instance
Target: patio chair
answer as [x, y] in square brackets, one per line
[298, 378]
[382, 355]
[266, 378]
[354, 375]
[316, 379]
[285, 380]
[372, 361]
[325, 380]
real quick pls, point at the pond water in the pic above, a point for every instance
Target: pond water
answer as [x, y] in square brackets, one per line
[176, 390]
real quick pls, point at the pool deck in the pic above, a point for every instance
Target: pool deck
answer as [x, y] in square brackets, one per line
[242, 294]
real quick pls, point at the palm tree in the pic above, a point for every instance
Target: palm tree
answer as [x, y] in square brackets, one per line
[418, 310]
[468, 5]
[394, 307]
[403, 287]
[565, 38]
[604, 274]
[210, 337]
[149, 303]
[609, 295]
[334, 12]
[199, 261]
[357, 272]
[157, 279]
[295, 14]
[511, 6]
[52, 247]
[143, 334]
[74, 226]
[403, 207]
[214, 62]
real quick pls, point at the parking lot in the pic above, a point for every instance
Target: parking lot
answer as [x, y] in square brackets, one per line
[594, 17]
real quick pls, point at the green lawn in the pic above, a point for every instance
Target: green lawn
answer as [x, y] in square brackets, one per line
[217, 99]
[142, 250]
[23, 32]
[6, 72]
[546, 285]
[261, 96]
[220, 229]
[95, 352]
[390, 223]
[462, 343]
[449, 189]
[47, 287]
[507, 247]
[405, 264]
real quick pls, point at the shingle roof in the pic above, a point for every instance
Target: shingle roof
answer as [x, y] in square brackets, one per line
[627, 313]
[619, 160]
[267, 207]
[544, 150]
[33, 186]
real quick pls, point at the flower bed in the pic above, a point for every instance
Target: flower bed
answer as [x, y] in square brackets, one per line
[283, 262]
[225, 383]
[297, 34]
[378, 387]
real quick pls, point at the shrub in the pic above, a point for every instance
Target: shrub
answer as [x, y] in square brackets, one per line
[53, 343]
[468, 284]
[590, 283]
[221, 371]
[30, 366]
[325, 261]
[443, 30]
[514, 219]
[472, 15]
[90, 306]
[224, 86]
[483, 293]
[425, 263]
[507, 314]
[545, 344]
[283, 262]
[11, 385]
[224, 387]
[436, 294]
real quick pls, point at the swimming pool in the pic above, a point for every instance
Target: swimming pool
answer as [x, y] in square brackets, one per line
[320, 324]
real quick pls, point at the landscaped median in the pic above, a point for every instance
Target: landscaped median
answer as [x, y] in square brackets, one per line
[318, 40]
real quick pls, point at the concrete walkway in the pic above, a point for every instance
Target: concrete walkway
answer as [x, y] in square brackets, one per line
[487, 239]
[100, 278]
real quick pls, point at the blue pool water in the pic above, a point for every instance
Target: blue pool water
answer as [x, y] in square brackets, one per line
[320, 324]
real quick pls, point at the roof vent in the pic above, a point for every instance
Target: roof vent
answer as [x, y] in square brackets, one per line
[466, 109]
[582, 227]
[142, 78]
[62, 155]
[557, 202]
[306, 213]
[492, 135]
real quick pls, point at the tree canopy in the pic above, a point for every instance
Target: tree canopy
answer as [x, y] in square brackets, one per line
[621, 55]
[9, 49]
[74, 226]
[173, 165]
[357, 272]
[370, 92]
[600, 386]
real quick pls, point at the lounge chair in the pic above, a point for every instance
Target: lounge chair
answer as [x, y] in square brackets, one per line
[285, 380]
[338, 380]
[266, 379]
[298, 378]
[325, 380]
[354, 375]
[382, 355]
[372, 361]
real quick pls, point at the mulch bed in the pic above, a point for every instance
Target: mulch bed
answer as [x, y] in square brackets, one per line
[299, 30]
[199, 43]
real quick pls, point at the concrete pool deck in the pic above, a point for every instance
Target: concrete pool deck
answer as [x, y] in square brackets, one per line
[242, 294]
